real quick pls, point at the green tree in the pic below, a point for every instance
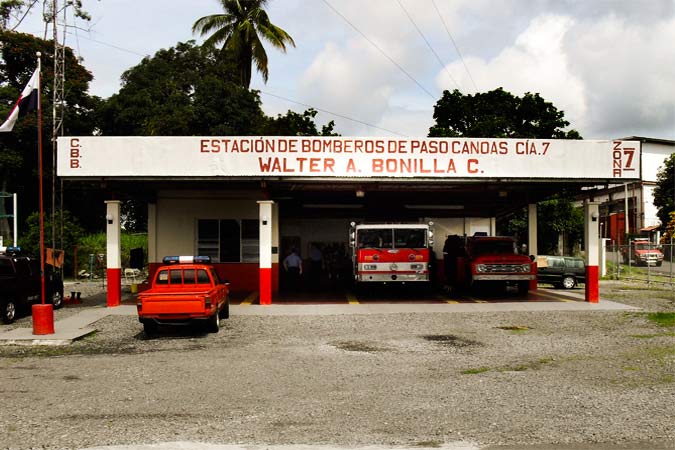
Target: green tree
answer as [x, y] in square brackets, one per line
[498, 114]
[295, 124]
[72, 234]
[19, 148]
[669, 233]
[664, 193]
[185, 90]
[240, 29]
[555, 217]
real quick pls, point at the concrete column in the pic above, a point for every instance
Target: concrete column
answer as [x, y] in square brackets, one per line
[532, 229]
[592, 250]
[113, 252]
[152, 233]
[266, 216]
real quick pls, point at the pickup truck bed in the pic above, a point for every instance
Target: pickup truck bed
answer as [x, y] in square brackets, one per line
[182, 293]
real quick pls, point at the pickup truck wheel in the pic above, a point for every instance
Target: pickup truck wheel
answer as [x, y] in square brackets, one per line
[150, 328]
[225, 311]
[8, 311]
[213, 324]
[568, 282]
[57, 299]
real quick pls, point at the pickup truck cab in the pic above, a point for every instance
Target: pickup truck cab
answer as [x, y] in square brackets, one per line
[185, 289]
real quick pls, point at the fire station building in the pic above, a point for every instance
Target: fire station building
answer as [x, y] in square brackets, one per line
[247, 201]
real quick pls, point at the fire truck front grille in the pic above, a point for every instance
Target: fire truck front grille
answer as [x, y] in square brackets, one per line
[504, 268]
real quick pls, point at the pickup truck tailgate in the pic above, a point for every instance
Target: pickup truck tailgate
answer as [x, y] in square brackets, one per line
[171, 303]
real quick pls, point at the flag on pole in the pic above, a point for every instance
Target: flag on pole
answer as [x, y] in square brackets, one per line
[28, 101]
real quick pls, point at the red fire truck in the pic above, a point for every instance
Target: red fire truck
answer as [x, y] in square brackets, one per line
[391, 253]
[482, 260]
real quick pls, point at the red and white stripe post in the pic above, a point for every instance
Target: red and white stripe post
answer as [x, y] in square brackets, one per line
[265, 212]
[592, 243]
[113, 252]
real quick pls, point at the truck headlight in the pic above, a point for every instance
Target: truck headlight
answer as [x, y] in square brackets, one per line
[480, 268]
[369, 267]
[525, 268]
[416, 266]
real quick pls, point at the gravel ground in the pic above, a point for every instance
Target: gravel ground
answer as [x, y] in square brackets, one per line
[399, 379]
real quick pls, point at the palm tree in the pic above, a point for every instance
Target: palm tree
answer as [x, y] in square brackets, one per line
[239, 31]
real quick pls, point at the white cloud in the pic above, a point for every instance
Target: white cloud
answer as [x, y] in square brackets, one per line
[534, 63]
[629, 73]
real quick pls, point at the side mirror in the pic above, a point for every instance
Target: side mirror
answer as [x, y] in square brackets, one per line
[532, 258]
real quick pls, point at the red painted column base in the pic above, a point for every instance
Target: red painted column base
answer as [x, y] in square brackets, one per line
[43, 319]
[592, 284]
[533, 283]
[265, 286]
[114, 286]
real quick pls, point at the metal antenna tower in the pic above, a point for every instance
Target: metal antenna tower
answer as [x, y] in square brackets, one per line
[58, 112]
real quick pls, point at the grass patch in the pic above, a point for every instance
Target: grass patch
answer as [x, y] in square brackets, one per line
[429, 444]
[533, 365]
[664, 319]
[450, 340]
[354, 346]
[475, 371]
[515, 328]
[651, 336]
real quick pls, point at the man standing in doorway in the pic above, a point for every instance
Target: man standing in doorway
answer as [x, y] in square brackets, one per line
[293, 267]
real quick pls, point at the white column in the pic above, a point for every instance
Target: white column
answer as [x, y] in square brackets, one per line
[113, 252]
[266, 222]
[532, 229]
[592, 250]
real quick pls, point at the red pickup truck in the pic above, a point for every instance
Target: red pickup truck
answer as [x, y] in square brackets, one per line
[184, 289]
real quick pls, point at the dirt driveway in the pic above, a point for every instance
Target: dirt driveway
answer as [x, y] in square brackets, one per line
[398, 379]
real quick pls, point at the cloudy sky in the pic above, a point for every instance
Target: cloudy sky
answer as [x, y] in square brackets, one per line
[377, 67]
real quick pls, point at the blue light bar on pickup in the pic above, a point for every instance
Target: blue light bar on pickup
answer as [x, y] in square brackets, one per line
[187, 259]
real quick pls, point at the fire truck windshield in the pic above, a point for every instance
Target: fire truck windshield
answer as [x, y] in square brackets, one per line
[391, 238]
[486, 247]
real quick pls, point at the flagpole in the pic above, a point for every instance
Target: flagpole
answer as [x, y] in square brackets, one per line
[43, 314]
[42, 208]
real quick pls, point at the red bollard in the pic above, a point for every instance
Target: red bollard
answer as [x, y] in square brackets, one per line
[43, 319]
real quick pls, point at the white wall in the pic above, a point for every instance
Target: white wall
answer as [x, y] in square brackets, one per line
[177, 214]
[653, 156]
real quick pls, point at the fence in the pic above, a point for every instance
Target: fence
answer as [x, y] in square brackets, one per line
[646, 263]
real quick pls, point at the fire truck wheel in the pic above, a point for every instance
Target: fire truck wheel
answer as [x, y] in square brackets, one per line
[213, 324]
[658, 263]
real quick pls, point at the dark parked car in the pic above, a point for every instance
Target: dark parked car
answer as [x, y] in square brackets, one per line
[20, 283]
[561, 271]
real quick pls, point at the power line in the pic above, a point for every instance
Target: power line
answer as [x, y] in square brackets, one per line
[380, 50]
[332, 113]
[112, 46]
[438, 58]
[455, 44]
[266, 93]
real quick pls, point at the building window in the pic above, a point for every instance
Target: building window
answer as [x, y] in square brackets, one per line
[228, 240]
